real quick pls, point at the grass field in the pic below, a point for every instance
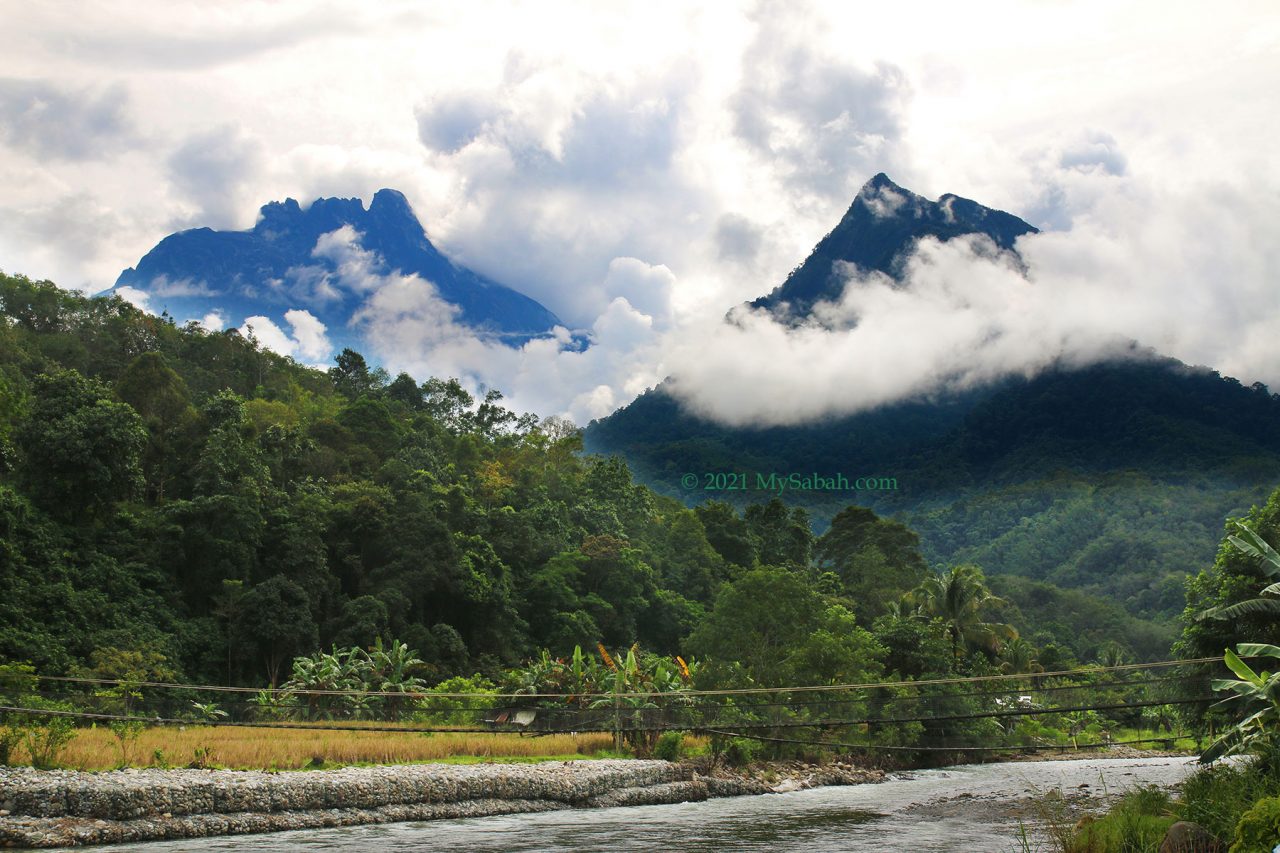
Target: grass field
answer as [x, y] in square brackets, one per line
[291, 749]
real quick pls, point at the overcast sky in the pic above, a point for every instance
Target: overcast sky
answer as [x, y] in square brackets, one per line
[639, 168]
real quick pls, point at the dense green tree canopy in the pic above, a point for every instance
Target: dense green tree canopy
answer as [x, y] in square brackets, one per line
[173, 491]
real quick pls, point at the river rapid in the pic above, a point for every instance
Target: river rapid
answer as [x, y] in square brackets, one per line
[966, 808]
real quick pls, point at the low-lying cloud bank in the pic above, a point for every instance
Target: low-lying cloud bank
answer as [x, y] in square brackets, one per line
[1191, 276]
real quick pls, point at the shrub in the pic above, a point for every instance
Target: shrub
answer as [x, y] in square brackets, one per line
[670, 746]
[1217, 796]
[1259, 828]
[741, 751]
[47, 735]
[1135, 824]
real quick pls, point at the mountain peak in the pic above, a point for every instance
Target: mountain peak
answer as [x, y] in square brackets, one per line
[880, 179]
[273, 268]
[387, 198]
[878, 232]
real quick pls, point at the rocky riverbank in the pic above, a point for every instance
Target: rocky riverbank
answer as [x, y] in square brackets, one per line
[40, 809]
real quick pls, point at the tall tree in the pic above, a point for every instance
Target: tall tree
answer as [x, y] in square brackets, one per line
[159, 396]
[274, 621]
[877, 560]
[958, 598]
[782, 536]
[82, 448]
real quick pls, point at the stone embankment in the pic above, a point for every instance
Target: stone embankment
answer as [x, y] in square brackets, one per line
[68, 808]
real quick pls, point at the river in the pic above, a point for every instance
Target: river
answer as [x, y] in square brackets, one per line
[966, 808]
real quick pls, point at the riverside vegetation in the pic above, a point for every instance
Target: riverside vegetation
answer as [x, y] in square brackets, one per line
[180, 505]
[1224, 807]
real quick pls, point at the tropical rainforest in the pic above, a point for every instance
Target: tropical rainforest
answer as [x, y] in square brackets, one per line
[211, 512]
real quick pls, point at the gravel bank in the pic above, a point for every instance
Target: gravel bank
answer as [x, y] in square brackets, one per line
[69, 808]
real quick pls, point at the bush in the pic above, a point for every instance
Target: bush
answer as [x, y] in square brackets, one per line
[1219, 795]
[1259, 828]
[1136, 824]
[741, 751]
[441, 710]
[670, 746]
[17, 683]
[47, 735]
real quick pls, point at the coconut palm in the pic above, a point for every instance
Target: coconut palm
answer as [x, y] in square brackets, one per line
[1268, 600]
[958, 598]
[1019, 657]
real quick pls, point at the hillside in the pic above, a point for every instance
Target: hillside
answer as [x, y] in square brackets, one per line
[1112, 478]
[188, 505]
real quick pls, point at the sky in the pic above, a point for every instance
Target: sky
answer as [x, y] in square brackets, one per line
[642, 168]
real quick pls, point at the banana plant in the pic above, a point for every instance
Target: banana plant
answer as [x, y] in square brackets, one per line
[1268, 600]
[1256, 699]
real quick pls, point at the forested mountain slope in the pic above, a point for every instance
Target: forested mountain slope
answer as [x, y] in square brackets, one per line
[208, 510]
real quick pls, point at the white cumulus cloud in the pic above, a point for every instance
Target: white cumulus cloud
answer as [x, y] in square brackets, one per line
[306, 339]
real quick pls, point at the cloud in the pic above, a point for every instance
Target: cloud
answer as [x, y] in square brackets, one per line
[309, 333]
[307, 338]
[137, 298]
[1095, 150]
[214, 321]
[647, 288]
[50, 120]
[449, 121]
[1190, 275]
[737, 238]
[163, 286]
[543, 142]
[213, 170]
[183, 39]
[408, 327]
[356, 266]
[818, 116]
[69, 232]
[559, 173]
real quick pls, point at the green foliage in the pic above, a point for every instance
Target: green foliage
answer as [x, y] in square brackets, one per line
[1218, 795]
[275, 621]
[1136, 824]
[187, 495]
[127, 733]
[741, 751]
[17, 685]
[1086, 624]
[1235, 576]
[778, 631]
[1267, 603]
[1259, 828]
[82, 449]
[470, 700]
[876, 560]
[1059, 478]
[1254, 704]
[46, 735]
[958, 599]
[670, 746]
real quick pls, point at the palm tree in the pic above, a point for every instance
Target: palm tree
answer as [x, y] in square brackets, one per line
[905, 609]
[1268, 600]
[957, 598]
[1019, 657]
[1112, 654]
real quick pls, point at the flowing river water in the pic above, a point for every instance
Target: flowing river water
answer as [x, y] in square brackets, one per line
[966, 808]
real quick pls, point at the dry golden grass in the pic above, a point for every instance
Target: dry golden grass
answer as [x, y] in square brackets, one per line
[287, 749]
